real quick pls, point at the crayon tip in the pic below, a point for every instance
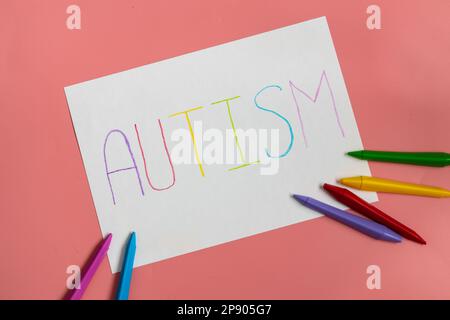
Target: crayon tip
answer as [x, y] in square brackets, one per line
[418, 239]
[108, 238]
[133, 238]
[330, 187]
[391, 236]
[356, 154]
[354, 182]
[300, 198]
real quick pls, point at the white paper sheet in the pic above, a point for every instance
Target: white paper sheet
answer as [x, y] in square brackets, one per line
[292, 74]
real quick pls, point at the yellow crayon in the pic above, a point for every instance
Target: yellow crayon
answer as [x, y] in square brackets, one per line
[392, 186]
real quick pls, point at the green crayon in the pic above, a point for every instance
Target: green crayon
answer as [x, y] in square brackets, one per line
[430, 159]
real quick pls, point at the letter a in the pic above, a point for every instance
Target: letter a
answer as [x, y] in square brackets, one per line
[374, 20]
[133, 167]
[374, 280]
[73, 281]
[74, 20]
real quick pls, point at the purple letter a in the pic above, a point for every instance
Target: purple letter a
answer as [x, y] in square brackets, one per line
[133, 167]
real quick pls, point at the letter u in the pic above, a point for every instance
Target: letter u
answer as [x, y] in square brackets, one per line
[145, 162]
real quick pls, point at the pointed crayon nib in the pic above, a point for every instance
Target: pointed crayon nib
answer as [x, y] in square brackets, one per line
[133, 238]
[392, 236]
[419, 239]
[300, 198]
[356, 154]
[108, 237]
[354, 182]
[328, 187]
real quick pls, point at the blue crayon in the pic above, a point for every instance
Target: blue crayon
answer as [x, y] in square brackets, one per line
[127, 269]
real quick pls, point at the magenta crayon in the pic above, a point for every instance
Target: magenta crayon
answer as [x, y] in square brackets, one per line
[91, 267]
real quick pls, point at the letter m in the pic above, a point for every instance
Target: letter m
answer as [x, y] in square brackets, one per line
[323, 82]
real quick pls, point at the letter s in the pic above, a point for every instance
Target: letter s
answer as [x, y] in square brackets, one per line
[278, 115]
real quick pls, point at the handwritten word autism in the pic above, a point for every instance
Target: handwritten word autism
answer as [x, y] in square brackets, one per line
[128, 151]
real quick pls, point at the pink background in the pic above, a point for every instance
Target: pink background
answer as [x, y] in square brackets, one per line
[398, 81]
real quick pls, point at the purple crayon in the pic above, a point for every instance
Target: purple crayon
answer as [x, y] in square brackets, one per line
[368, 227]
[89, 270]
